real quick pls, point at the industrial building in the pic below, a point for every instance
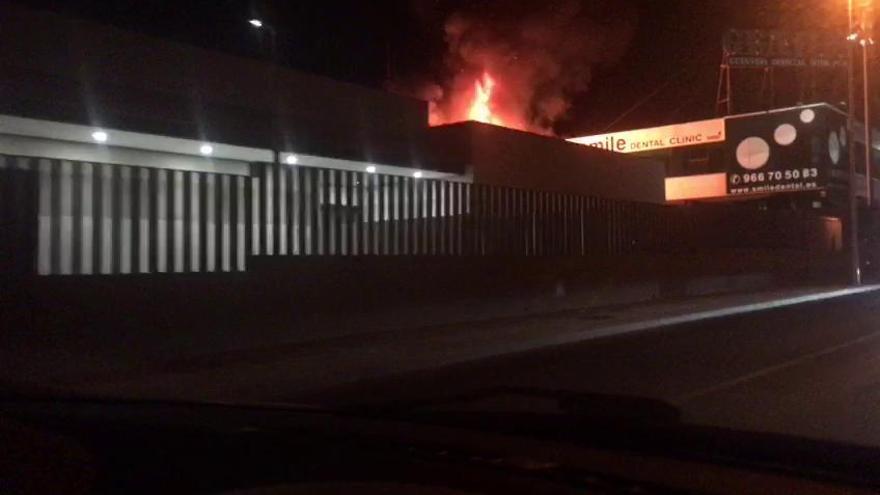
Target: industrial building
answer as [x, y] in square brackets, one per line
[140, 90]
[152, 156]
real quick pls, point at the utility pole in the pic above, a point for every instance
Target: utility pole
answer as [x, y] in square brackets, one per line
[264, 31]
[865, 29]
[867, 112]
[855, 277]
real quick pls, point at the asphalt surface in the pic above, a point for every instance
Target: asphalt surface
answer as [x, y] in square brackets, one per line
[808, 370]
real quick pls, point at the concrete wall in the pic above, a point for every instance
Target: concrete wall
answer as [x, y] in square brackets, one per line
[83, 72]
[363, 283]
[294, 291]
[500, 156]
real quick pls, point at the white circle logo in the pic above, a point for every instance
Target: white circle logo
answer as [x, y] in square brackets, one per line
[752, 153]
[807, 116]
[785, 134]
[833, 147]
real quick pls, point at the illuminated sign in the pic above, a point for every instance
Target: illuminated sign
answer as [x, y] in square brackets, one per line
[762, 48]
[657, 138]
[782, 151]
[805, 179]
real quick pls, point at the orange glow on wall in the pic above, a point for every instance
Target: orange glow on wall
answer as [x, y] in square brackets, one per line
[696, 187]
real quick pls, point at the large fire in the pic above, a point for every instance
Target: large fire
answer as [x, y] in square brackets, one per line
[481, 104]
[519, 67]
[481, 98]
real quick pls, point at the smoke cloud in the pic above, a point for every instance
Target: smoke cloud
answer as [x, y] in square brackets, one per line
[539, 56]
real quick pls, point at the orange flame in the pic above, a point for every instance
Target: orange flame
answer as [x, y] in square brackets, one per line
[481, 106]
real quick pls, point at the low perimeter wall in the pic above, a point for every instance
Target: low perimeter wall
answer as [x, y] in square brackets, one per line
[288, 289]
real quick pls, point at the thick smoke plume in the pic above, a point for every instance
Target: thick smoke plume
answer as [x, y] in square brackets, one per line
[539, 57]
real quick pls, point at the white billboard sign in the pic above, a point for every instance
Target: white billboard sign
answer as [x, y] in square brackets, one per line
[657, 138]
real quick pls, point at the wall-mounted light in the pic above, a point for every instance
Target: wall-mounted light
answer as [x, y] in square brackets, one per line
[417, 174]
[291, 159]
[371, 169]
[255, 23]
[206, 149]
[100, 136]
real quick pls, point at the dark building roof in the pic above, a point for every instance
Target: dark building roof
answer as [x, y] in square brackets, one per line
[82, 72]
[502, 156]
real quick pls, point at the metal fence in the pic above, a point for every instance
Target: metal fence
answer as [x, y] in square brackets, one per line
[314, 211]
[98, 218]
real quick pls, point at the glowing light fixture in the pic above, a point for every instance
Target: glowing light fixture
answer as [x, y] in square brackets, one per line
[807, 115]
[752, 153]
[291, 159]
[256, 23]
[834, 147]
[785, 134]
[100, 136]
[417, 174]
[206, 149]
[371, 169]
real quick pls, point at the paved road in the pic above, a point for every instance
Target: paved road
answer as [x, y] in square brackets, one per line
[811, 370]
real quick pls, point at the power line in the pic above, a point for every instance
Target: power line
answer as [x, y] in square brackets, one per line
[676, 75]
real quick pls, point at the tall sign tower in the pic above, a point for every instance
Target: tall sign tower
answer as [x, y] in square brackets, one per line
[763, 69]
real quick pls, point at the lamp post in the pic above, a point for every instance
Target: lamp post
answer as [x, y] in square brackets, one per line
[866, 41]
[272, 56]
[852, 207]
[262, 26]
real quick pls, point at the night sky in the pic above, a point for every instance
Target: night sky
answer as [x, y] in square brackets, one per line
[673, 56]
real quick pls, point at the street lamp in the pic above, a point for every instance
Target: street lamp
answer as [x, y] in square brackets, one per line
[852, 207]
[867, 42]
[272, 55]
[262, 26]
[858, 33]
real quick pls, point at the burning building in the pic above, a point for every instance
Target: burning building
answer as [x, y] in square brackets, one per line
[151, 156]
[522, 67]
